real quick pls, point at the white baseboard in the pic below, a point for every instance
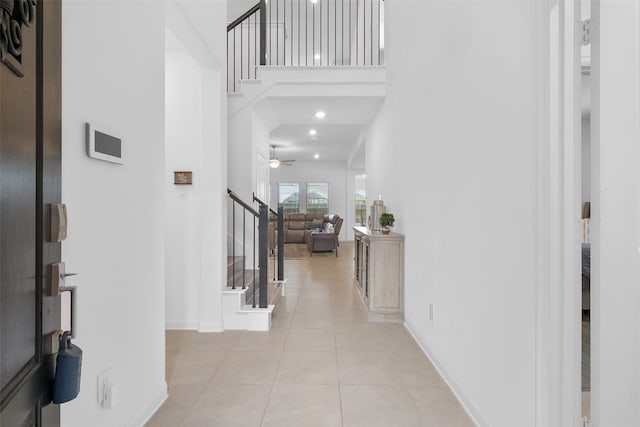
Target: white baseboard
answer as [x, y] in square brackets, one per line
[469, 407]
[181, 325]
[145, 415]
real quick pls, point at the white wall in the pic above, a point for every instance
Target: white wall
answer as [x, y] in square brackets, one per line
[196, 141]
[244, 127]
[183, 152]
[451, 152]
[113, 74]
[235, 8]
[335, 173]
[615, 187]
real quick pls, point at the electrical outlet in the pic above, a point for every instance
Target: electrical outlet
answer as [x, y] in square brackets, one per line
[103, 379]
[431, 314]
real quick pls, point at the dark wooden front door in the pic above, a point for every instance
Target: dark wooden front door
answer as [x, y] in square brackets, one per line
[29, 182]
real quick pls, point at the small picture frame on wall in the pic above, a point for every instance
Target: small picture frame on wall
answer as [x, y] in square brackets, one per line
[182, 177]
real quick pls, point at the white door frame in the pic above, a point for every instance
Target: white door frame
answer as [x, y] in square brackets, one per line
[558, 200]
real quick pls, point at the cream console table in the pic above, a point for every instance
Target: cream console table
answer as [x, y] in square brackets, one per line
[379, 274]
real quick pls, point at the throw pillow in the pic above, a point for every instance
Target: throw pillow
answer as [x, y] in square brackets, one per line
[315, 224]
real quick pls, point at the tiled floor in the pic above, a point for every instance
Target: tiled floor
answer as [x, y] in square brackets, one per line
[321, 364]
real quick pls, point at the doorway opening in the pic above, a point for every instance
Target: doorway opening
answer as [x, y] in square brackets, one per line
[585, 170]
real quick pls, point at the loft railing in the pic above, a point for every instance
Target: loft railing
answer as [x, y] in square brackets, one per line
[305, 33]
[252, 224]
[245, 45]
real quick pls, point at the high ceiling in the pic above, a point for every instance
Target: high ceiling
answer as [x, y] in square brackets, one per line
[290, 118]
[337, 134]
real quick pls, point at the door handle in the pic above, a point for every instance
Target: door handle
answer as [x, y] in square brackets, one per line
[57, 285]
[73, 291]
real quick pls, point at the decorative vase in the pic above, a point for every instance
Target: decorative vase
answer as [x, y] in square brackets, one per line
[385, 229]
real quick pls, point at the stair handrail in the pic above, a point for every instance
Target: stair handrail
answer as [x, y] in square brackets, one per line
[280, 244]
[262, 215]
[238, 200]
[256, 199]
[259, 13]
[244, 16]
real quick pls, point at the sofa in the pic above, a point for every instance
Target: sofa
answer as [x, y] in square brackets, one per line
[298, 227]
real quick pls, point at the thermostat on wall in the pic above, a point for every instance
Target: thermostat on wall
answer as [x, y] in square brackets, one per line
[103, 145]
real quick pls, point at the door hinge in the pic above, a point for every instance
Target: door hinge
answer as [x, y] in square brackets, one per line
[586, 32]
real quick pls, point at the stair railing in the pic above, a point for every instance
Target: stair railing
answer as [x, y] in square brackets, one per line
[259, 230]
[246, 45]
[278, 271]
[305, 33]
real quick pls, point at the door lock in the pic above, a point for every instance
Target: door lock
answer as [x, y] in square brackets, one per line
[57, 276]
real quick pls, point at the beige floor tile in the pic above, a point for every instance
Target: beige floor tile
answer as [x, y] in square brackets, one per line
[195, 355]
[369, 367]
[194, 373]
[270, 341]
[288, 304]
[292, 289]
[406, 348]
[347, 308]
[314, 302]
[343, 295]
[185, 395]
[317, 308]
[366, 337]
[345, 314]
[196, 341]
[308, 367]
[416, 369]
[170, 414]
[180, 400]
[281, 319]
[310, 340]
[248, 367]
[439, 407]
[229, 406]
[303, 405]
[312, 320]
[348, 319]
[315, 292]
[378, 405]
[288, 376]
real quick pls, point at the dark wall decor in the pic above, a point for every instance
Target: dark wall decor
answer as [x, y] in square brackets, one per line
[14, 15]
[182, 177]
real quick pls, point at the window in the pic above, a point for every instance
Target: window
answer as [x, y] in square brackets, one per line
[361, 200]
[289, 197]
[318, 198]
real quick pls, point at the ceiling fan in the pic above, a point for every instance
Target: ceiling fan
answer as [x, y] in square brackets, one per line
[274, 162]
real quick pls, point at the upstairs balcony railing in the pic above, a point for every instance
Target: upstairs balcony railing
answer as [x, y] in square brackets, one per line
[305, 33]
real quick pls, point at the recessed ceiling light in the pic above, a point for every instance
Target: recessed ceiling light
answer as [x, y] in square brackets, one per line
[320, 114]
[313, 132]
[316, 156]
[314, 1]
[316, 56]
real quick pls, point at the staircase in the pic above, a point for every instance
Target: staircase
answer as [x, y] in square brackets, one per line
[242, 278]
[238, 310]
[250, 298]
